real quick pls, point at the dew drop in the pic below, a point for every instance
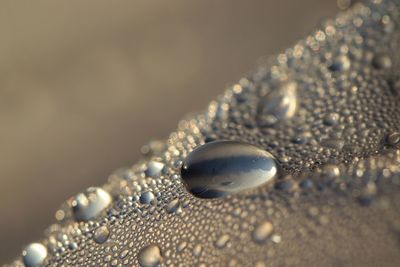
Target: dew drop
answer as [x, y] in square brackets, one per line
[262, 232]
[341, 63]
[146, 197]
[88, 205]
[280, 104]
[154, 169]
[382, 61]
[331, 119]
[220, 168]
[101, 234]
[150, 256]
[153, 148]
[197, 250]
[173, 206]
[34, 255]
[222, 241]
[393, 138]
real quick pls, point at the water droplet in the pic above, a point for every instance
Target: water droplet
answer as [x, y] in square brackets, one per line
[280, 104]
[150, 256]
[153, 148]
[181, 246]
[382, 61]
[222, 241]
[368, 194]
[331, 119]
[332, 143]
[393, 138]
[173, 206]
[262, 232]
[330, 171]
[34, 255]
[197, 250]
[225, 167]
[341, 63]
[276, 238]
[146, 197]
[101, 234]
[90, 204]
[154, 169]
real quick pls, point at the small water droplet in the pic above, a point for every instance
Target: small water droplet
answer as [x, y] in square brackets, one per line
[101, 234]
[34, 255]
[330, 171]
[382, 61]
[331, 119]
[224, 167]
[279, 104]
[150, 256]
[146, 197]
[368, 193]
[393, 138]
[173, 206]
[153, 148]
[181, 246]
[222, 241]
[90, 204]
[262, 232]
[341, 63]
[333, 143]
[154, 169]
[197, 250]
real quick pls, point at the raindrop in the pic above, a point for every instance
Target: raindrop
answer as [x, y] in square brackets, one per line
[34, 255]
[150, 256]
[262, 232]
[88, 205]
[220, 168]
[101, 234]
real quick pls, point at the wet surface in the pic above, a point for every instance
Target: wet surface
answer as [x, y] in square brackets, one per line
[79, 86]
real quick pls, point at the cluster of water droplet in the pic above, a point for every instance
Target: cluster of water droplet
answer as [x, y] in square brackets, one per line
[271, 162]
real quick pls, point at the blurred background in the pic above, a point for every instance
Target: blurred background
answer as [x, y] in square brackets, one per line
[84, 84]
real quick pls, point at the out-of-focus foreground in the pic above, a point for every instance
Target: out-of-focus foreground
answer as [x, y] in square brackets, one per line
[84, 84]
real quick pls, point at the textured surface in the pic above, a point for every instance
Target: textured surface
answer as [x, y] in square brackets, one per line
[84, 84]
[327, 110]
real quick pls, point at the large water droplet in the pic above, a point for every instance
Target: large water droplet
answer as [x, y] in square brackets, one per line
[150, 256]
[34, 255]
[280, 104]
[90, 204]
[224, 167]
